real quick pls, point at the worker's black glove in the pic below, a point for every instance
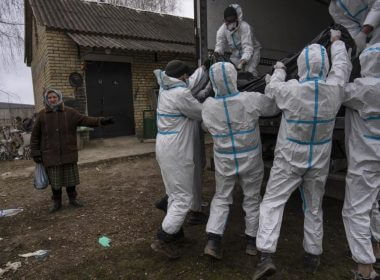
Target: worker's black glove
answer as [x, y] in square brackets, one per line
[37, 159]
[108, 120]
[207, 63]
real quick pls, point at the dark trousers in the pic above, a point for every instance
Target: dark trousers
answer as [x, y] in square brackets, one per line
[71, 193]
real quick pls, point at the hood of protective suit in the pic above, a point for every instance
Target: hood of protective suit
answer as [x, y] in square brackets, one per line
[223, 77]
[165, 82]
[370, 61]
[239, 11]
[58, 94]
[313, 63]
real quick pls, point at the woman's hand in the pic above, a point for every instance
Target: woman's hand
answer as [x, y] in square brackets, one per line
[37, 159]
[108, 120]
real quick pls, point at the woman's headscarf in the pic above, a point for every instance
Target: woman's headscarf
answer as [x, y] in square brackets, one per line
[58, 94]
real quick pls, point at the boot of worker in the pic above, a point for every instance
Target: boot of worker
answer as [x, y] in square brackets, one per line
[165, 245]
[311, 263]
[162, 204]
[265, 267]
[197, 218]
[214, 246]
[181, 240]
[251, 246]
[57, 201]
[72, 194]
[370, 276]
[376, 252]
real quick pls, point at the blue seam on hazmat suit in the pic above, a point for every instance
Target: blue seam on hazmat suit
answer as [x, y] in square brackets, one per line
[226, 97]
[236, 46]
[170, 115]
[371, 118]
[301, 189]
[310, 122]
[231, 135]
[225, 79]
[347, 12]
[372, 137]
[323, 61]
[308, 78]
[177, 86]
[163, 87]
[308, 142]
[372, 50]
[360, 11]
[237, 151]
[314, 130]
[167, 132]
[238, 132]
[307, 63]
[229, 121]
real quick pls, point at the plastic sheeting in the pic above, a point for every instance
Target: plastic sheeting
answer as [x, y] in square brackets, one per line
[323, 39]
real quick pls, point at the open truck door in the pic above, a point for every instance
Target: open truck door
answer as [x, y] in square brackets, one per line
[283, 29]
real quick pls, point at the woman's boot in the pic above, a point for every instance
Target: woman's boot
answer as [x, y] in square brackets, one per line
[72, 194]
[57, 200]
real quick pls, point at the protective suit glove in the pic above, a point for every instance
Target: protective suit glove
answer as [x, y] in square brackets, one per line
[361, 42]
[279, 65]
[241, 64]
[108, 120]
[335, 35]
[37, 159]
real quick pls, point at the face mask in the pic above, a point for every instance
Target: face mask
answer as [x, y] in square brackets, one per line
[232, 26]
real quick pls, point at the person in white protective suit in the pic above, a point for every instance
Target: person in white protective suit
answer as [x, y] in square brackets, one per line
[178, 113]
[303, 148]
[362, 20]
[197, 83]
[237, 36]
[360, 17]
[232, 119]
[363, 173]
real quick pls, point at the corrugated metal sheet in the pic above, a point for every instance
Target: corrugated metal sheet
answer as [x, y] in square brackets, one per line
[106, 19]
[102, 41]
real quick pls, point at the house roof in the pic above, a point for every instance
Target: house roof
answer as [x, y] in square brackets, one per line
[104, 41]
[93, 22]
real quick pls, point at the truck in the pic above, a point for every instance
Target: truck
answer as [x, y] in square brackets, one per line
[283, 28]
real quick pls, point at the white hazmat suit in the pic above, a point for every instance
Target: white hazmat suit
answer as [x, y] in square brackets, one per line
[354, 14]
[241, 42]
[303, 148]
[363, 144]
[177, 115]
[232, 119]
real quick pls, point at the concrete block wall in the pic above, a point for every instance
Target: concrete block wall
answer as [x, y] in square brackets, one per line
[39, 63]
[144, 81]
[55, 57]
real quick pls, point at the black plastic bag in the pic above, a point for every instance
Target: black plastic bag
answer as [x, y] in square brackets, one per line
[258, 84]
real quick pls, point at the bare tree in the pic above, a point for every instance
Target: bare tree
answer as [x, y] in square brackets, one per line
[11, 30]
[161, 6]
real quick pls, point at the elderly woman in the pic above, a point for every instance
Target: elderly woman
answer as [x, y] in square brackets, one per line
[54, 143]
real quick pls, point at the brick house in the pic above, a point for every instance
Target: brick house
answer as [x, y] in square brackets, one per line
[113, 49]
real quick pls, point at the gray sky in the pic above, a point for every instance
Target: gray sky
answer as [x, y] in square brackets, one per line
[17, 78]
